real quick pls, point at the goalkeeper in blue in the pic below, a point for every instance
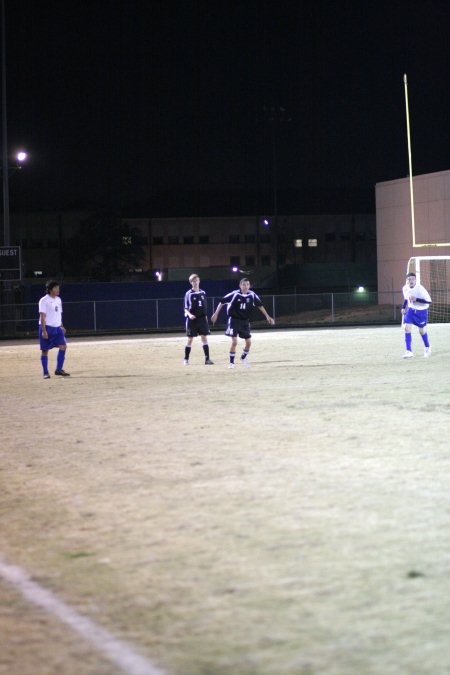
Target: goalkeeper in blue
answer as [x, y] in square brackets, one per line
[415, 313]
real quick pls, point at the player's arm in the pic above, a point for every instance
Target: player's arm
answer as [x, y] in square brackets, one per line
[187, 312]
[43, 316]
[269, 319]
[404, 306]
[216, 313]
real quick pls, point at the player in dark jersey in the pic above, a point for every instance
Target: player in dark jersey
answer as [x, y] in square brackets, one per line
[196, 319]
[240, 305]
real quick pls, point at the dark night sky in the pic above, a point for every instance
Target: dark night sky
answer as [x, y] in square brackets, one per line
[123, 102]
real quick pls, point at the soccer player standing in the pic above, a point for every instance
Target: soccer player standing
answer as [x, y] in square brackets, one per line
[196, 319]
[415, 312]
[51, 329]
[240, 305]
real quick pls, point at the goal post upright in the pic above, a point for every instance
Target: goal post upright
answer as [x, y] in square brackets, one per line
[411, 187]
[411, 182]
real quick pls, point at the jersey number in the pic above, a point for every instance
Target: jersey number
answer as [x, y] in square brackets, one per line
[242, 305]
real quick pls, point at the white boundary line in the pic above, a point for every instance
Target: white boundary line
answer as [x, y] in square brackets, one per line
[117, 651]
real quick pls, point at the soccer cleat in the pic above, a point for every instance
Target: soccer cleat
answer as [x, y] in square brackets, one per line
[185, 362]
[407, 355]
[62, 373]
[231, 365]
[427, 352]
[245, 362]
[46, 376]
[208, 362]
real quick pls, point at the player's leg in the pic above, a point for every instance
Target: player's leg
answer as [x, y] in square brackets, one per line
[233, 350]
[44, 362]
[205, 346]
[187, 350]
[60, 361]
[45, 346]
[204, 332]
[426, 341]
[408, 341]
[245, 351]
[408, 324]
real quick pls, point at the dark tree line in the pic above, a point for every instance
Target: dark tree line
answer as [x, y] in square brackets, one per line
[104, 248]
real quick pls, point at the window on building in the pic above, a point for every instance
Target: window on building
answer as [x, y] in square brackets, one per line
[265, 260]
[249, 260]
[345, 236]
[265, 239]
[203, 239]
[188, 240]
[235, 260]
[298, 243]
[36, 243]
[158, 241]
[249, 238]
[330, 236]
[173, 239]
[234, 239]
[312, 243]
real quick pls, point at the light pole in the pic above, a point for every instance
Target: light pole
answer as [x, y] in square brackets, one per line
[6, 225]
[275, 115]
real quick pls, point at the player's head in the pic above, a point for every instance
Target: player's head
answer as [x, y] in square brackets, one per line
[411, 279]
[194, 278]
[244, 285]
[52, 285]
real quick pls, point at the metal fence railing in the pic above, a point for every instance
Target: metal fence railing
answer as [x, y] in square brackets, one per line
[102, 316]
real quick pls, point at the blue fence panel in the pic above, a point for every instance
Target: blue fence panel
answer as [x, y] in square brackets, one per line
[79, 316]
[126, 314]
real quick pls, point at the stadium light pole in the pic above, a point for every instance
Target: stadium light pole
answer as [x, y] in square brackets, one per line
[5, 171]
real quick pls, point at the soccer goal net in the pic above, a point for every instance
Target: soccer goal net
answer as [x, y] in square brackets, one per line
[433, 272]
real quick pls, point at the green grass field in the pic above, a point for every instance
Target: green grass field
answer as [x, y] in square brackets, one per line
[292, 518]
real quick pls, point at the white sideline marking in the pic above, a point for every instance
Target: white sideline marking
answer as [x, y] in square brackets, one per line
[117, 651]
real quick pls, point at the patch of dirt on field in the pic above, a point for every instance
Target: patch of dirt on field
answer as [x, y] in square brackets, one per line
[287, 518]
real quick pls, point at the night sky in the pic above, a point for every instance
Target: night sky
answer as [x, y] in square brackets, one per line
[136, 105]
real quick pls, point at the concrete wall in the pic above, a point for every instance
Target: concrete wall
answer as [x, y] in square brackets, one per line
[394, 229]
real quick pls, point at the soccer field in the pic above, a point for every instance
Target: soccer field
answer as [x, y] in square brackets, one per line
[292, 518]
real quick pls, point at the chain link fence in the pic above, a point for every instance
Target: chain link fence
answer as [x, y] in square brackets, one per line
[166, 315]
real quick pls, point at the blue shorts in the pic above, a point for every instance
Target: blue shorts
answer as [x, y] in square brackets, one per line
[55, 338]
[238, 327]
[418, 317]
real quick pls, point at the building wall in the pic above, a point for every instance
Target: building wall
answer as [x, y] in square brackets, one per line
[196, 243]
[394, 224]
[248, 242]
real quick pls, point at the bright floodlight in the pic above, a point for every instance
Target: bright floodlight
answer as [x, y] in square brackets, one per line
[158, 275]
[265, 222]
[360, 289]
[21, 156]
[235, 269]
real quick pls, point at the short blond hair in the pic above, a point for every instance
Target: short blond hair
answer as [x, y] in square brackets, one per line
[192, 277]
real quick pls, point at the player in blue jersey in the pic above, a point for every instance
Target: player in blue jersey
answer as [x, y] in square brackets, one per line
[51, 329]
[196, 319]
[240, 305]
[415, 313]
